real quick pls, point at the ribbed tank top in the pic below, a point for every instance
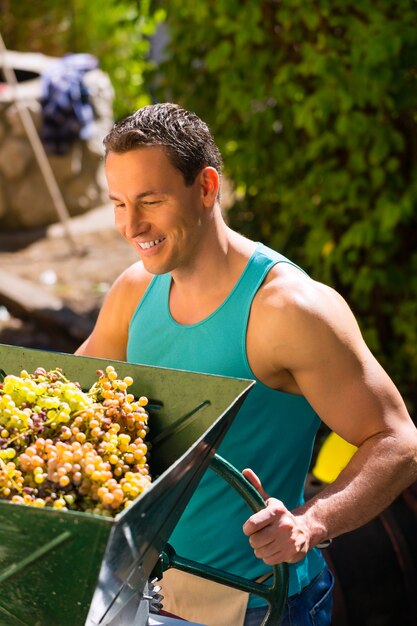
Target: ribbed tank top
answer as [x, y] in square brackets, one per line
[273, 432]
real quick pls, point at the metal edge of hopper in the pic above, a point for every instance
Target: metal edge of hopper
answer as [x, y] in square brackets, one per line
[143, 529]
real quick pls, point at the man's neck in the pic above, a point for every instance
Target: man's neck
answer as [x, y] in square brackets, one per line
[197, 291]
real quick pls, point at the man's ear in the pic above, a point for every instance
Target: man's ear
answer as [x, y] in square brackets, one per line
[210, 181]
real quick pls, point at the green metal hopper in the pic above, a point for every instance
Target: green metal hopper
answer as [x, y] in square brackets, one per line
[66, 568]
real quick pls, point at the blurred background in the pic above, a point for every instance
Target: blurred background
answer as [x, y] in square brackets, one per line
[314, 107]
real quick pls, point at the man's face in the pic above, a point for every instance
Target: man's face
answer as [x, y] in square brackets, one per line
[155, 211]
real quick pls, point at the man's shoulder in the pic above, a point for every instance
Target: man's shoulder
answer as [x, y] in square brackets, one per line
[285, 282]
[135, 276]
[129, 288]
[288, 289]
[295, 317]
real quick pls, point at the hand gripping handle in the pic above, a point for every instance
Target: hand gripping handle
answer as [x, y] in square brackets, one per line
[275, 593]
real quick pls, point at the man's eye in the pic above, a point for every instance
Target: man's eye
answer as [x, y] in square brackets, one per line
[151, 202]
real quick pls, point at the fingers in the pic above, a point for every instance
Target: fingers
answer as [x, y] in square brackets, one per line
[268, 516]
[276, 535]
[281, 549]
[262, 538]
[254, 480]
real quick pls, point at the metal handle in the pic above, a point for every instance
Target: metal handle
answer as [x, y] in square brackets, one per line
[276, 593]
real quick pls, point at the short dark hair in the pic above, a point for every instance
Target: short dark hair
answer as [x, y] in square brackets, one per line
[187, 140]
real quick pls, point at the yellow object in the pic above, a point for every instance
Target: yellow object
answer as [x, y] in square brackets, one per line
[332, 458]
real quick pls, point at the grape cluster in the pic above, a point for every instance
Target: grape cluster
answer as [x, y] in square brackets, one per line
[65, 448]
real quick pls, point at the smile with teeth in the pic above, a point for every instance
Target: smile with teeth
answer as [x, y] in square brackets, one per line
[149, 244]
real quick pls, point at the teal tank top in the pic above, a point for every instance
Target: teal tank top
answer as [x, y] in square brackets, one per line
[273, 432]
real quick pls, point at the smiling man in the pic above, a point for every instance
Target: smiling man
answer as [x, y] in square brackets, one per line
[202, 297]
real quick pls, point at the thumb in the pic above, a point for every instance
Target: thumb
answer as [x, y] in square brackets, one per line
[255, 481]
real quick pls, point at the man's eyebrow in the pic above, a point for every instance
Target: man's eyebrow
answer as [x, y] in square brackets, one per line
[140, 196]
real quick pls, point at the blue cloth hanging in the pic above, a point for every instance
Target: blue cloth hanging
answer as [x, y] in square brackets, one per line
[67, 113]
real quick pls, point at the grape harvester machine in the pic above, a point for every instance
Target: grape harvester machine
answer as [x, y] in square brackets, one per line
[69, 568]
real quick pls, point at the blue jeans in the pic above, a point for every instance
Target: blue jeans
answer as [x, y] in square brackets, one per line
[311, 607]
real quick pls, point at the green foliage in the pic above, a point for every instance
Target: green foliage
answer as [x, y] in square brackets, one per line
[117, 32]
[314, 105]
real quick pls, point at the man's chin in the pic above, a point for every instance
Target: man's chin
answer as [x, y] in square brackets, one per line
[157, 269]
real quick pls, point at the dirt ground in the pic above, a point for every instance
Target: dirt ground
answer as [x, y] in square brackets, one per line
[76, 263]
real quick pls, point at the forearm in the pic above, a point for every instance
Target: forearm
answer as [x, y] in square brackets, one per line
[380, 470]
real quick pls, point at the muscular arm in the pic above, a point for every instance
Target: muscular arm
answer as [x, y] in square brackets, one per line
[108, 339]
[323, 351]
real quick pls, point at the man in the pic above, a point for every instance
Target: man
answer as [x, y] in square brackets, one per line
[204, 298]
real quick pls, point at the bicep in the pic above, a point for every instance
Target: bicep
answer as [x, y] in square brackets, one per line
[341, 378]
[354, 396]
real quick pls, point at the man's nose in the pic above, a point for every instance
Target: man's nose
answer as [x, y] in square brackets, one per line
[135, 222]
